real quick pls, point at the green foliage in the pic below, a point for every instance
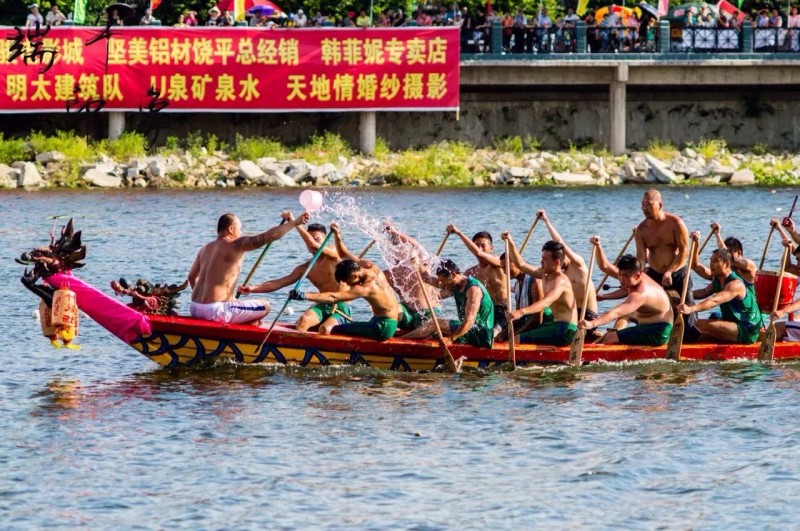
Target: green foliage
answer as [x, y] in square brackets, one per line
[760, 149]
[12, 150]
[710, 149]
[662, 150]
[327, 147]
[252, 148]
[130, 144]
[516, 145]
[445, 163]
[73, 146]
[771, 174]
[382, 149]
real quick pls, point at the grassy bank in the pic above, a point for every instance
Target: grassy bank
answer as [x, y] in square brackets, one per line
[510, 161]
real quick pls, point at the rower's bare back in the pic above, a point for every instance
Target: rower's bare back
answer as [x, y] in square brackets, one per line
[220, 263]
[493, 278]
[661, 239]
[322, 275]
[380, 296]
[577, 278]
[563, 308]
[656, 307]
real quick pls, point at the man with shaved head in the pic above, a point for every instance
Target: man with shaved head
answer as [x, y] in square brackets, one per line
[662, 242]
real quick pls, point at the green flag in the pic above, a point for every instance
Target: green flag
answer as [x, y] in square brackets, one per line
[79, 12]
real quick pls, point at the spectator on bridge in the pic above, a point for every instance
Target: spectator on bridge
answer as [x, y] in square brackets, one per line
[450, 14]
[214, 18]
[520, 25]
[762, 20]
[793, 21]
[571, 19]
[382, 21]
[508, 30]
[609, 33]
[480, 26]
[363, 20]
[399, 19]
[34, 17]
[300, 20]
[148, 17]
[543, 21]
[690, 19]
[190, 18]
[319, 20]
[705, 19]
[54, 16]
[423, 19]
[775, 21]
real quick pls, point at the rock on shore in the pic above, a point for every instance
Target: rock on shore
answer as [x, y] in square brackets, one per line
[484, 167]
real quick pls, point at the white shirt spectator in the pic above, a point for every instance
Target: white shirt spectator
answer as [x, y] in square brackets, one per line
[34, 17]
[301, 20]
[55, 17]
[572, 18]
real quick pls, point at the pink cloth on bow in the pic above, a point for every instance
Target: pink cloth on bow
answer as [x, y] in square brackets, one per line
[122, 321]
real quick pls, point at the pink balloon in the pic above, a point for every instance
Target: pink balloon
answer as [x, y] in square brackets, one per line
[311, 200]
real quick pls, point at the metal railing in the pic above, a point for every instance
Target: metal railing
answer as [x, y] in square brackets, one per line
[718, 40]
[659, 40]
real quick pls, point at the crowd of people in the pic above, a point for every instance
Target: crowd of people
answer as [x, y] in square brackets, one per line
[545, 305]
[522, 32]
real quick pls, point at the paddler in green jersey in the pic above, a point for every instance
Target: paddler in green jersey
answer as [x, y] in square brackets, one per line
[475, 324]
[558, 296]
[490, 270]
[741, 318]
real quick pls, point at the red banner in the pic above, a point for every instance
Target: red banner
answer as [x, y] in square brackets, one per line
[228, 70]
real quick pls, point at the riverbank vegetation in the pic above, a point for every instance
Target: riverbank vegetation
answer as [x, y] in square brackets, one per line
[63, 160]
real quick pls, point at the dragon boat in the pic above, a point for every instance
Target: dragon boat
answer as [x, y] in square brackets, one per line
[150, 326]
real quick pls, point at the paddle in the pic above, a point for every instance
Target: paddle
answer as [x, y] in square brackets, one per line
[296, 286]
[512, 347]
[791, 210]
[767, 349]
[766, 247]
[366, 249]
[624, 247]
[675, 343]
[255, 266]
[710, 234]
[576, 348]
[528, 236]
[441, 245]
[449, 361]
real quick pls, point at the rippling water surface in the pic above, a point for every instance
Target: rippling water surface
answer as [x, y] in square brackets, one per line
[101, 437]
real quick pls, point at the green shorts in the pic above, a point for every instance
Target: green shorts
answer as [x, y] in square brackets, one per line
[748, 333]
[324, 311]
[655, 334]
[476, 336]
[557, 333]
[411, 319]
[377, 328]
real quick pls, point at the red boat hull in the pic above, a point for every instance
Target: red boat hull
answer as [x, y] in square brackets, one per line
[183, 341]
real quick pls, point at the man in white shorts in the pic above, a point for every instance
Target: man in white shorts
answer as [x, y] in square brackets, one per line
[215, 270]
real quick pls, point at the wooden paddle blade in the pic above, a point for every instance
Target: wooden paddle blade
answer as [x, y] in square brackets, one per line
[767, 350]
[576, 348]
[676, 339]
[512, 346]
[449, 361]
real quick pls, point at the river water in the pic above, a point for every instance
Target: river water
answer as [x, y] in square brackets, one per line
[101, 437]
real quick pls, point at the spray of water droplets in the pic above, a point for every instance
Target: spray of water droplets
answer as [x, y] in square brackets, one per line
[352, 213]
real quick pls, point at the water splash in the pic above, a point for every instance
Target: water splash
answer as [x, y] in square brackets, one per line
[400, 257]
